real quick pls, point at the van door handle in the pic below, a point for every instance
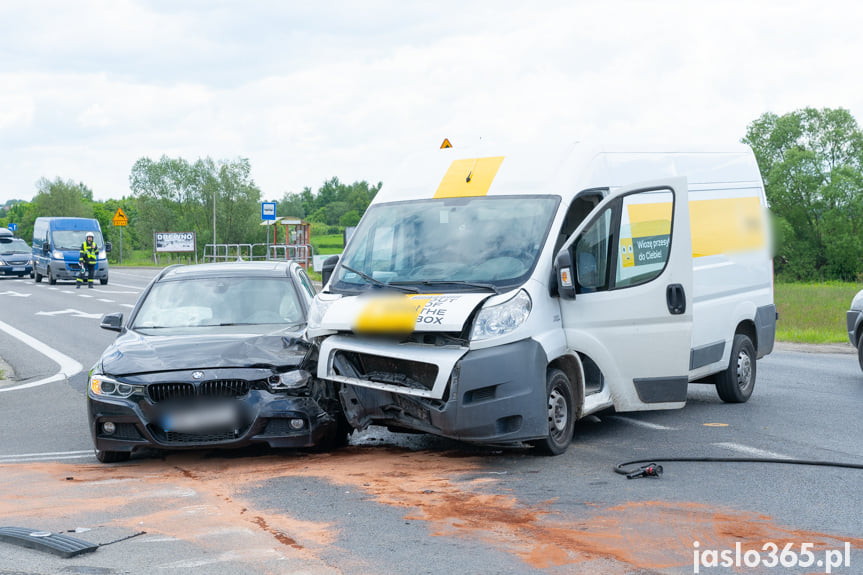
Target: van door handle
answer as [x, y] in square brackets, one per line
[676, 299]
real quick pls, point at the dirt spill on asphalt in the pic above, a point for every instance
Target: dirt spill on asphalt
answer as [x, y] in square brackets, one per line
[191, 497]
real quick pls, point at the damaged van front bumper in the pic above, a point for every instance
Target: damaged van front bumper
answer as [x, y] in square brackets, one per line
[493, 395]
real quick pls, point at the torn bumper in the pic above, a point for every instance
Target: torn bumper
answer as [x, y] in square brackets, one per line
[494, 395]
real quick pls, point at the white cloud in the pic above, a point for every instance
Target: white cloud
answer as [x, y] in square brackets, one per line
[308, 91]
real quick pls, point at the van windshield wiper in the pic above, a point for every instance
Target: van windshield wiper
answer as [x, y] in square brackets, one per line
[482, 285]
[379, 283]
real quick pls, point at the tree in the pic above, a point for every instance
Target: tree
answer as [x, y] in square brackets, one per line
[59, 198]
[811, 162]
[173, 195]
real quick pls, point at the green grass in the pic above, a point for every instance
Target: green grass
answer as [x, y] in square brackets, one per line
[813, 313]
[331, 244]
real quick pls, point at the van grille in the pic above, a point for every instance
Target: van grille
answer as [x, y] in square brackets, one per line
[392, 371]
[217, 388]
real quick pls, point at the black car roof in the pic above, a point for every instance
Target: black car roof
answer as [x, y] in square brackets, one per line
[230, 269]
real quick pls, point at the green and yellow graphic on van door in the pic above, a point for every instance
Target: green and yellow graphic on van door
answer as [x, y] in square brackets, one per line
[469, 177]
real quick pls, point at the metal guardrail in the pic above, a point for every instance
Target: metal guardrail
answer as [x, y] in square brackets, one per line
[258, 252]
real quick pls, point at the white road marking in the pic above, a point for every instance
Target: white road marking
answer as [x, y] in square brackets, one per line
[644, 424]
[127, 305]
[139, 288]
[72, 312]
[68, 366]
[15, 294]
[89, 455]
[84, 295]
[753, 451]
[106, 300]
[47, 454]
[116, 291]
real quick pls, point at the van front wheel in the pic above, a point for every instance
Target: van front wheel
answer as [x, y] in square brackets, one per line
[735, 384]
[561, 414]
[51, 279]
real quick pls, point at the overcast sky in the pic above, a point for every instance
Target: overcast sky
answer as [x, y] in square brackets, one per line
[309, 90]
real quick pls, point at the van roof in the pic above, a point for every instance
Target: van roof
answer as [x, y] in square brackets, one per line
[561, 170]
[6, 233]
[62, 223]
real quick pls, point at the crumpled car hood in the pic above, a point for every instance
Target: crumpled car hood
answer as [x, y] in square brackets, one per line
[134, 353]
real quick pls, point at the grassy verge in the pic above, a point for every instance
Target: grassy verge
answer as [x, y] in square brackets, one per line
[813, 313]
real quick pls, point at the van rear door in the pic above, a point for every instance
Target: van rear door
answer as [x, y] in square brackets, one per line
[631, 263]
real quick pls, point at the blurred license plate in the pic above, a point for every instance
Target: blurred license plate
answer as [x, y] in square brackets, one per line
[17, 269]
[192, 419]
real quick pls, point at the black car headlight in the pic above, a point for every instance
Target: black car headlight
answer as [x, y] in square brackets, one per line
[291, 380]
[101, 385]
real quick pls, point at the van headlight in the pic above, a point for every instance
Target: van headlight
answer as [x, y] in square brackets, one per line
[58, 255]
[503, 318]
[320, 305]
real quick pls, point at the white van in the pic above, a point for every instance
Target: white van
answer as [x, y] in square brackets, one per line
[499, 296]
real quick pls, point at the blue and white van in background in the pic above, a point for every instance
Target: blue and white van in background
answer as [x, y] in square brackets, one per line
[57, 245]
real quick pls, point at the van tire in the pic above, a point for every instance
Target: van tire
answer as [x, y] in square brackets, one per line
[38, 277]
[103, 281]
[111, 456]
[560, 406]
[735, 384]
[51, 279]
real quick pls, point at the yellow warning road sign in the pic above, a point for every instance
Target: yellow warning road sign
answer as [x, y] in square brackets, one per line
[120, 218]
[445, 144]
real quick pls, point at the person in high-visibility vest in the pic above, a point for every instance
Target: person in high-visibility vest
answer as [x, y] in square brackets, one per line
[87, 258]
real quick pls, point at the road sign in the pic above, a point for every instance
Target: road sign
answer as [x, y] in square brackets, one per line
[120, 218]
[268, 210]
[13, 227]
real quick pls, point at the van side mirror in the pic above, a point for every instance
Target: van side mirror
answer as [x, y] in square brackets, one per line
[46, 247]
[327, 268]
[564, 275]
[107, 247]
[112, 321]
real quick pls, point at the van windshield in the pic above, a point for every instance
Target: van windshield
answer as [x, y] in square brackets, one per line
[66, 240]
[450, 244]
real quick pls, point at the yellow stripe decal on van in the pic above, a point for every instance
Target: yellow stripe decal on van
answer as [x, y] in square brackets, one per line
[719, 226]
[470, 177]
[726, 225]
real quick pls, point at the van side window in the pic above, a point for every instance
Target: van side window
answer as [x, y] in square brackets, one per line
[592, 254]
[645, 237]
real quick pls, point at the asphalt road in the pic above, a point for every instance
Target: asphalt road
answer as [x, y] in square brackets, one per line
[412, 504]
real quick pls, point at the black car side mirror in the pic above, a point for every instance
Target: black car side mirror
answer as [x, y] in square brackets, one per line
[112, 321]
[107, 247]
[327, 268]
[46, 247]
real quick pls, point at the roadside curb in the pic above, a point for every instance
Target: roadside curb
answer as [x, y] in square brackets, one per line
[843, 348]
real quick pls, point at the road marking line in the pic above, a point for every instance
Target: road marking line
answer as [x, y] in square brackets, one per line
[106, 300]
[84, 295]
[39, 459]
[127, 305]
[47, 453]
[15, 294]
[72, 312]
[644, 424]
[139, 288]
[753, 451]
[116, 291]
[68, 366]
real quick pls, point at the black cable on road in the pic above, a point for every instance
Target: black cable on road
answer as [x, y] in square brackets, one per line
[633, 472]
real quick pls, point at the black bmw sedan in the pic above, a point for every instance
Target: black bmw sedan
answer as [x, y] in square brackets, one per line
[213, 356]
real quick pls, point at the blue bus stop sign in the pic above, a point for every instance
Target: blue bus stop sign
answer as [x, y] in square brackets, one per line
[268, 210]
[13, 227]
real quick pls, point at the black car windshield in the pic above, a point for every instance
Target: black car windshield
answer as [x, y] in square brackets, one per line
[223, 301]
[463, 244]
[73, 239]
[13, 246]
